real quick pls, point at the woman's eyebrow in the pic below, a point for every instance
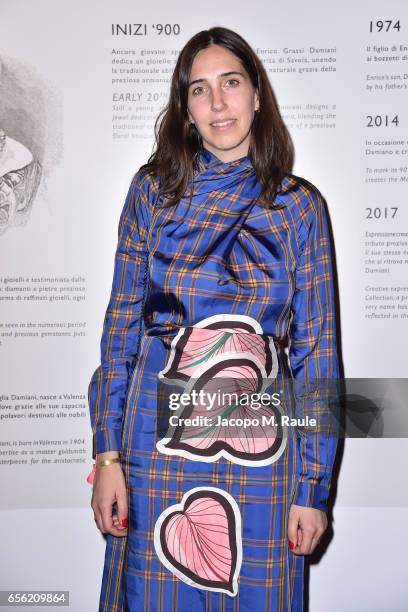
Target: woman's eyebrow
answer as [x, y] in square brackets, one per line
[223, 74]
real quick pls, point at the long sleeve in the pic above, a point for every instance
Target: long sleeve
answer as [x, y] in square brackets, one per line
[313, 354]
[123, 322]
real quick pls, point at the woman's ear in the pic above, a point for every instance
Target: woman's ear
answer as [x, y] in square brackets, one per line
[256, 100]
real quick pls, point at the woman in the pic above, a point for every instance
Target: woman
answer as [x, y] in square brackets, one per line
[223, 258]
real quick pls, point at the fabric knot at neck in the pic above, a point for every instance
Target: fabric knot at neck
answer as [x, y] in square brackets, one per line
[213, 173]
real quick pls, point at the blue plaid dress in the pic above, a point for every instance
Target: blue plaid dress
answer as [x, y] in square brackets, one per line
[216, 288]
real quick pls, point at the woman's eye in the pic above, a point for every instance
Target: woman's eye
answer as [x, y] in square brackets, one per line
[232, 82]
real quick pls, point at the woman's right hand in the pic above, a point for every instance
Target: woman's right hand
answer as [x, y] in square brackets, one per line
[109, 487]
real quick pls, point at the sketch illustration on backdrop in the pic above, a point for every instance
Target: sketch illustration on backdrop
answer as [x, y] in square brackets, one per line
[20, 175]
[30, 140]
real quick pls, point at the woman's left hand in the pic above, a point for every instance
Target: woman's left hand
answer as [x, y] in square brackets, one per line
[305, 528]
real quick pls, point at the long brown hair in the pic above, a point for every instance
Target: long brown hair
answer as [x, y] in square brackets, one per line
[177, 140]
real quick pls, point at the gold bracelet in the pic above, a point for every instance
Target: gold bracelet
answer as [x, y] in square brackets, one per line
[109, 461]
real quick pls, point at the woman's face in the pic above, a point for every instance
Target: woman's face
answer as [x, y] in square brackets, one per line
[220, 90]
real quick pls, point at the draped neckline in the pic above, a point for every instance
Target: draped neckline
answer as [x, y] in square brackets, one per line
[210, 160]
[212, 173]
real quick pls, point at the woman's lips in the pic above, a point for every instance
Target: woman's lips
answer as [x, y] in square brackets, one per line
[224, 127]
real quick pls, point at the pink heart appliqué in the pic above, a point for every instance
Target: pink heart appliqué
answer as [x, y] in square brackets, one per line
[199, 540]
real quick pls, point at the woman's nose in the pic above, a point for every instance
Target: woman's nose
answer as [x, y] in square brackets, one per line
[217, 101]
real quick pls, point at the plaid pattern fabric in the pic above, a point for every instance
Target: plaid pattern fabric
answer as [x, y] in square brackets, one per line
[223, 283]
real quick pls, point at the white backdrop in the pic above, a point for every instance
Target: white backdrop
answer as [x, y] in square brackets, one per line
[78, 101]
